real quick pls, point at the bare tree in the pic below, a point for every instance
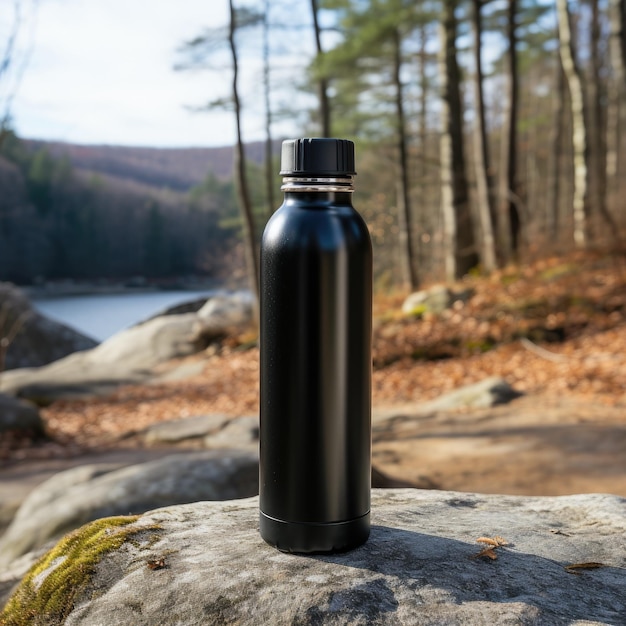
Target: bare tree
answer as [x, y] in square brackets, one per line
[196, 54]
[616, 92]
[404, 197]
[579, 128]
[486, 208]
[269, 165]
[554, 163]
[459, 246]
[322, 81]
[509, 218]
[240, 165]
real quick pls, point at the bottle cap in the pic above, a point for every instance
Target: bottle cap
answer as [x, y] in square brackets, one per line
[317, 157]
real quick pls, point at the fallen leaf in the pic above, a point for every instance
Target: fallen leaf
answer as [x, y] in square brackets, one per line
[157, 564]
[489, 552]
[496, 541]
[574, 567]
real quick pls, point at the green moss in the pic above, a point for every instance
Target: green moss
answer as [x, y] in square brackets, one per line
[553, 273]
[418, 311]
[509, 279]
[49, 590]
[480, 345]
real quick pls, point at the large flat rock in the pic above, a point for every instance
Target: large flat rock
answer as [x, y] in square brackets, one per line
[205, 563]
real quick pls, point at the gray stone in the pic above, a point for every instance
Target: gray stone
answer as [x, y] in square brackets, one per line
[79, 495]
[215, 431]
[187, 428]
[419, 567]
[39, 340]
[486, 393]
[19, 415]
[133, 355]
[127, 357]
[222, 314]
[238, 432]
[435, 299]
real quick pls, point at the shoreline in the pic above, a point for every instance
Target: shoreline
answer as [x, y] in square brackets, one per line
[50, 291]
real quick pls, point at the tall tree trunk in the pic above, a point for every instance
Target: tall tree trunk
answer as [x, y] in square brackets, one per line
[579, 128]
[404, 199]
[553, 195]
[622, 36]
[423, 104]
[616, 92]
[240, 169]
[459, 246]
[423, 135]
[322, 83]
[595, 127]
[486, 210]
[269, 165]
[509, 219]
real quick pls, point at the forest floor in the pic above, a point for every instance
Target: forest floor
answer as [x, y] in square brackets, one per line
[554, 329]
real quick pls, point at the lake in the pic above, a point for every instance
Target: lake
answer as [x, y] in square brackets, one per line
[100, 316]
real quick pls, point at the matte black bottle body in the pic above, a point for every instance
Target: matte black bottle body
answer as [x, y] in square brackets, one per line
[316, 302]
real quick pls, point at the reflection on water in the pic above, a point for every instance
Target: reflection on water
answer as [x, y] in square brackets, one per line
[100, 316]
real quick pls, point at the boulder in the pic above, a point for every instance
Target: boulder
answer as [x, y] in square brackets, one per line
[78, 495]
[486, 393]
[435, 299]
[38, 339]
[182, 430]
[212, 431]
[18, 415]
[433, 557]
[131, 355]
[239, 432]
[223, 314]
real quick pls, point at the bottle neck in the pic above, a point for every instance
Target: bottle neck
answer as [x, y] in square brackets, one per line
[293, 184]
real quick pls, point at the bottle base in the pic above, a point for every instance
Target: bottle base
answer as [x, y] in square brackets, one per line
[310, 538]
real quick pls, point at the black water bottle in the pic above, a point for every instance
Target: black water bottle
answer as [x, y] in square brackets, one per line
[316, 326]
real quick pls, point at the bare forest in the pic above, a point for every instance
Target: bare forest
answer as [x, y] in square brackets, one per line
[487, 132]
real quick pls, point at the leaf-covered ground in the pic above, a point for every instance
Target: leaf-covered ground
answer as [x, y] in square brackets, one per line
[555, 327]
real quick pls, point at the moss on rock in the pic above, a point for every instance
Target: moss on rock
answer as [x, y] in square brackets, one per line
[47, 593]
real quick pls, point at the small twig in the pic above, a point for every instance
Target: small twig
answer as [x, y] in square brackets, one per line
[542, 352]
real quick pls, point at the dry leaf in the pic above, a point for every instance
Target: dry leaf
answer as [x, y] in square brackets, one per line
[496, 541]
[574, 567]
[157, 564]
[489, 552]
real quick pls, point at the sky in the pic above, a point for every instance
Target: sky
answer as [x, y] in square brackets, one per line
[101, 72]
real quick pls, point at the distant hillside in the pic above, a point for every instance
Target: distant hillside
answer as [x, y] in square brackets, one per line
[175, 168]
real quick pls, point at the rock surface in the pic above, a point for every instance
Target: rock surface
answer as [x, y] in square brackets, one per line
[211, 431]
[19, 415]
[88, 492]
[206, 564]
[435, 299]
[129, 356]
[39, 340]
[552, 445]
[487, 393]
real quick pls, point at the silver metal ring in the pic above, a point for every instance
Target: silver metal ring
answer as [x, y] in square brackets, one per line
[300, 187]
[319, 179]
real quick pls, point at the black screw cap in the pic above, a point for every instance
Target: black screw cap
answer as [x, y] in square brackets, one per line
[317, 157]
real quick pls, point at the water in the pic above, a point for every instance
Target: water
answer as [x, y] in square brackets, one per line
[100, 316]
